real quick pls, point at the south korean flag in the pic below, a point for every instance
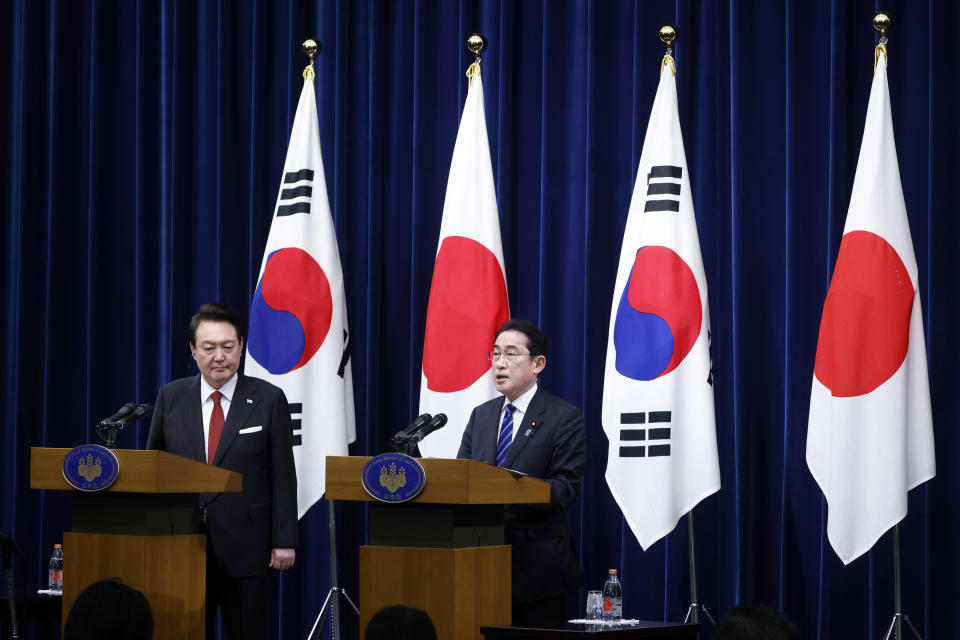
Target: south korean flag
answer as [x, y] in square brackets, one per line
[658, 412]
[299, 338]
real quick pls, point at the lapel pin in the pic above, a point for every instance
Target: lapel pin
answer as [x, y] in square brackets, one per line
[249, 400]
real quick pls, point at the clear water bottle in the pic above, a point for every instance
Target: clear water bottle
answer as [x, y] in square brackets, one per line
[56, 569]
[612, 597]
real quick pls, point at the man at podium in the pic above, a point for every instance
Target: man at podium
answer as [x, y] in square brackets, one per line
[243, 424]
[527, 429]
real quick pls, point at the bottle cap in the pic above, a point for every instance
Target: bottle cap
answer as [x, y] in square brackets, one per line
[58, 546]
[612, 572]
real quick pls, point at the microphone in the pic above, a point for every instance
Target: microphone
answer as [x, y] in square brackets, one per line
[140, 412]
[123, 411]
[438, 421]
[403, 434]
[107, 429]
[401, 439]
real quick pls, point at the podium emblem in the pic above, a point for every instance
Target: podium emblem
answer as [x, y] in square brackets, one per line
[393, 477]
[90, 467]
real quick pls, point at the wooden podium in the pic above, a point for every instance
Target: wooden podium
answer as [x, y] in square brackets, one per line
[144, 529]
[443, 551]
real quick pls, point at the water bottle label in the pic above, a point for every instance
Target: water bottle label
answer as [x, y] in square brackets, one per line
[612, 607]
[56, 576]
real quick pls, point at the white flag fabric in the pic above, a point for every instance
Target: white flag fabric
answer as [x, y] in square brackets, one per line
[870, 433]
[298, 337]
[658, 411]
[468, 293]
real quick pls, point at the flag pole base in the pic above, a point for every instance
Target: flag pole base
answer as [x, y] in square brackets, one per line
[894, 631]
[333, 595]
[695, 607]
[692, 614]
[333, 600]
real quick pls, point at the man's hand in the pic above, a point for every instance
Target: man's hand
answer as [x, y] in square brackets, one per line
[281, 559]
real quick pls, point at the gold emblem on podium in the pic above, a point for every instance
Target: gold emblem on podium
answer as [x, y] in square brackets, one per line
[89, 468]
[391, 479]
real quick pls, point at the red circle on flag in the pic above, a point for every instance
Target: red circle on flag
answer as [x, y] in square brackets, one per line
[865, 330]
[663, 285]
[293, 281]
[468, 303]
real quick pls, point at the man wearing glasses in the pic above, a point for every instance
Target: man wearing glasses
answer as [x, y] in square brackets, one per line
[527, 429]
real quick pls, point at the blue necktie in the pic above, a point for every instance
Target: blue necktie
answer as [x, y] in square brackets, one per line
[506, 435]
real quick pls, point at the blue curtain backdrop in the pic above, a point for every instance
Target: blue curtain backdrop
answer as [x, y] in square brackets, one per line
[142, 145]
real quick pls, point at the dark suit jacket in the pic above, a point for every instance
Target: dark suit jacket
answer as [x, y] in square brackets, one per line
[242, 527]
[550, 444]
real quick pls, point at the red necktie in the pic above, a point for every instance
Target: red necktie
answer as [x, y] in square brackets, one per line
[216, 426]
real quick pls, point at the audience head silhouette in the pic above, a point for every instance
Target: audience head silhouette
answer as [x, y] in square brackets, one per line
[754, 621]
[398, 622]
[109, 609]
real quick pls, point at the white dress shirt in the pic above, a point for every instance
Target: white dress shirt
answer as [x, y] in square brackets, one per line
[520, 409]
[206, 406]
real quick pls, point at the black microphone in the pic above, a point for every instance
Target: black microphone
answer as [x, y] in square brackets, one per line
[123, 411]
[403, 434]
[438, 421]
[140, 412]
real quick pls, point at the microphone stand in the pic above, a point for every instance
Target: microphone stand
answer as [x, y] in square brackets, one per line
[108, 429]
[8, 548]
[405, 445]
[408, 441]
[108, 433]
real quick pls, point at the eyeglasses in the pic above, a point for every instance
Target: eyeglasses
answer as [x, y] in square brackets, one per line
[511, 356]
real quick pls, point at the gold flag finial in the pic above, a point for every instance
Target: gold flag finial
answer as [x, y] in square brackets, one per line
[476, 43]
[668, 33]
[881, 22]
[310, 47]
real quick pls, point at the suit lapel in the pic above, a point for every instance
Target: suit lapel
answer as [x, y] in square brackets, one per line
[241, 406]
[192, 419]
[489, 448]
[532, 420]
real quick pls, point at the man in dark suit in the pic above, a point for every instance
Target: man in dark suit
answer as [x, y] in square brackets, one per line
[529, 430]
[243, 424]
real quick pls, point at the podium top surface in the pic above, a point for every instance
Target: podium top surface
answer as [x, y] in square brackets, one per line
[140, 472]
[449, 481]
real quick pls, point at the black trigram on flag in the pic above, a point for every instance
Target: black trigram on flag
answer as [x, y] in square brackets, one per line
[296, 185]
[345, 358]
[655, 439]
[296, 410]
[660, 194]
